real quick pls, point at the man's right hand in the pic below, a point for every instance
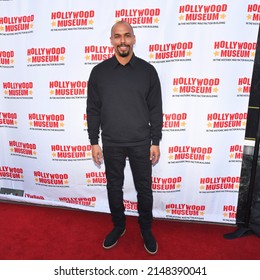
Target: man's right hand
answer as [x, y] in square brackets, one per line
[97, 154]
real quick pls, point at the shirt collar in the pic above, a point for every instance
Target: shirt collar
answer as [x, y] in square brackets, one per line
[131, 62]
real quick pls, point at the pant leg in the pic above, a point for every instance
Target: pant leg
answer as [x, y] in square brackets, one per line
[114, 159]
[140, 163]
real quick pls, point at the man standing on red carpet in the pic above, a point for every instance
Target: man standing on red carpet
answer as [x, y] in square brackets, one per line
[124, 102]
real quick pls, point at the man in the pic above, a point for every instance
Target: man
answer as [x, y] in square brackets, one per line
[124, 101]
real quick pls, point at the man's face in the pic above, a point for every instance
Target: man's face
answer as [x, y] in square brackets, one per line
[122, 39]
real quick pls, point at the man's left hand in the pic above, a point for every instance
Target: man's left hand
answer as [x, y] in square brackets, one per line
[154, 154]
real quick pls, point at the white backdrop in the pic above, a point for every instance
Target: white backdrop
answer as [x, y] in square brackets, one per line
[204, 53]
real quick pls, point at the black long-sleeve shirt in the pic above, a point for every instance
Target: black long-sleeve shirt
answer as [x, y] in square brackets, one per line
[125, 102]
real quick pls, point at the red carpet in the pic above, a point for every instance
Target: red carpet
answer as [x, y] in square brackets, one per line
[31, 232]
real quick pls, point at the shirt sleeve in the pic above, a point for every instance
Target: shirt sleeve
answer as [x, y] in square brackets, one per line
[154, 102]
[93, 109]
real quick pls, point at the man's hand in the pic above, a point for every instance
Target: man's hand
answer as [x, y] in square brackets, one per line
[154, 154]
[97, 154]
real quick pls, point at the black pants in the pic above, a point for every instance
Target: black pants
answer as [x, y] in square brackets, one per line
[139, 159]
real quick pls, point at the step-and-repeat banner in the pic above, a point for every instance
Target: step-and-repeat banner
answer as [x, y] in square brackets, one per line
[204, 54]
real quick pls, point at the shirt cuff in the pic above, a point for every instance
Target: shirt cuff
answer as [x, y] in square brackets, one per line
[94, 141]
[155, 142]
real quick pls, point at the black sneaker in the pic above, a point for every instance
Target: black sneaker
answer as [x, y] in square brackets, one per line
[112, 238]
[150, 243]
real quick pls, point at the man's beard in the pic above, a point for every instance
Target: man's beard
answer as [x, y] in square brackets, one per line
[124, 53]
